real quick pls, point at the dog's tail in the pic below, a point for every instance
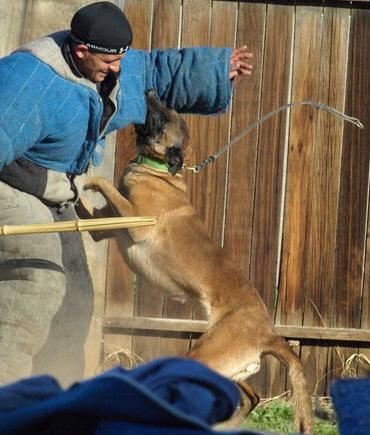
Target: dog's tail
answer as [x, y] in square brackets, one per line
[280, 348]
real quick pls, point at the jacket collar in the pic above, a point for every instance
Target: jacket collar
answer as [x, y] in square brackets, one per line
[49, 50]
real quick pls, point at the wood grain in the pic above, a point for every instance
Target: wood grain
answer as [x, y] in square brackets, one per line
[121, 295]
[354, 193]
[270, 174]
[166, 33]
[196, 24]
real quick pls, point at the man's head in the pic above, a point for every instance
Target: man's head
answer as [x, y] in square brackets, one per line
[101, 35]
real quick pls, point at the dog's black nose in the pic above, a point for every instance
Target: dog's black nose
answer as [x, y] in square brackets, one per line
[175, 158]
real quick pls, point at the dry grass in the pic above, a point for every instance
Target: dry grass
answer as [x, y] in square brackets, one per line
[119, 356]
[348, 366]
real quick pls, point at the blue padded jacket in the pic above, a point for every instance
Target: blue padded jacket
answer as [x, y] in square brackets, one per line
[52, 118]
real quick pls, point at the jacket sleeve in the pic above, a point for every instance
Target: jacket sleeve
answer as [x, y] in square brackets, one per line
[192, 80]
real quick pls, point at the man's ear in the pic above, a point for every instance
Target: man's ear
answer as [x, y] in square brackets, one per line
[81, 51]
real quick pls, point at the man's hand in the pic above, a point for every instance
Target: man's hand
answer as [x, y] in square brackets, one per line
[238, 64]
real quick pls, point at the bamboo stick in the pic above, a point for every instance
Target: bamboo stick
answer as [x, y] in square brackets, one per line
[100, 224]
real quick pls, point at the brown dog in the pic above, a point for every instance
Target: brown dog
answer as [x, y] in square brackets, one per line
[178, 255]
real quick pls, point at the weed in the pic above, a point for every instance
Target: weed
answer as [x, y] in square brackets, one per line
[277, 416]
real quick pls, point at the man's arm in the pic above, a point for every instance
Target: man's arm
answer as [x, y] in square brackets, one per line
[192, 80]
[198, 80]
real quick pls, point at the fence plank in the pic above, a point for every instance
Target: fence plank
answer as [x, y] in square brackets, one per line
[300, 194]
[166, 33]
[207, 134]
[148, 300]
[354, 178]
[120, 291]
[11, 25]
[322, 184]
[121, 295]
[365, 315]
[243, 156]
[351, 238]
[324, 181]
[199, 326]
[196, 24]
[166, 20]
[242, 166]
[269, 174]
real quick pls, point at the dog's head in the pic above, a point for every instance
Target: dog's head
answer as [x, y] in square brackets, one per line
[164, 134]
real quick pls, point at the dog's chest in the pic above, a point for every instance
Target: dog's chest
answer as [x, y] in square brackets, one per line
[141, 257]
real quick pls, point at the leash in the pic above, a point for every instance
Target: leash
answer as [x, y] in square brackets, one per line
[213, 157]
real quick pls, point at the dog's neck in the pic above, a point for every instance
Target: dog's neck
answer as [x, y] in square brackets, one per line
[141, 168]
[155, 164]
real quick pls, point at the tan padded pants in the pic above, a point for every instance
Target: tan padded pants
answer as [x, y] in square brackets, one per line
[45, 294]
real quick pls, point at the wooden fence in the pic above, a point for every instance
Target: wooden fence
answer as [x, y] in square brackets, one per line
[290, 202]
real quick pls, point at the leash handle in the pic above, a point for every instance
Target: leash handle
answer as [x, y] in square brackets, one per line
[320, 106]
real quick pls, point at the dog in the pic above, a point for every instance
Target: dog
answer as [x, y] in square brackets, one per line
[178, 255]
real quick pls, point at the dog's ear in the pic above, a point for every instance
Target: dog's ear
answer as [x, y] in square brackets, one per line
[140, 130]
[157, 120]
[151, 94]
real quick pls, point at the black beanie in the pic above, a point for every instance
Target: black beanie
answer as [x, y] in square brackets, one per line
[102, 27]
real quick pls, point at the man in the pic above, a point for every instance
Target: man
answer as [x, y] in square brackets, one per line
[59, 97]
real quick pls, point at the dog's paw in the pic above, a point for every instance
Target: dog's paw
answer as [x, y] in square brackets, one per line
[88, 186]
[94, 183]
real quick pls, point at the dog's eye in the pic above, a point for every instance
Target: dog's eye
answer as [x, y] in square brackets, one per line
[164, 120]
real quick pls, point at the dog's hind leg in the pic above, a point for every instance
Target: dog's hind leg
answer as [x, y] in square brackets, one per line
[224, 349]
[247, 391]
[249, 400]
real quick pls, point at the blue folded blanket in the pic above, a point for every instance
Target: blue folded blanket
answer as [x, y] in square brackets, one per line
[166, 396]
[351, 399]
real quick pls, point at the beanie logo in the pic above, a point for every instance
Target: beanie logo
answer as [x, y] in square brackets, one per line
[103, 49]
[124, 49]
[95, 47]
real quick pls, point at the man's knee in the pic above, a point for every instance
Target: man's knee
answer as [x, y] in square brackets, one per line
[27, 307]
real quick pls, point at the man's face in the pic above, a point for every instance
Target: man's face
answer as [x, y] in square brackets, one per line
[96, 66]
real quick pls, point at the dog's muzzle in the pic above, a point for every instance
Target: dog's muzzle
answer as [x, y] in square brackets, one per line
[175, 159]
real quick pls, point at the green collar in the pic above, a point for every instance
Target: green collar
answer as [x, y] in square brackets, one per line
[152, 163]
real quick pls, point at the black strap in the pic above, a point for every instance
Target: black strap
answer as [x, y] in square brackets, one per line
[26, 176]
[7, 266]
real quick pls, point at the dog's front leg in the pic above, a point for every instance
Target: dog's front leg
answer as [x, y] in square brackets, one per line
[120, 205]
[86, 210]
[112, 196]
